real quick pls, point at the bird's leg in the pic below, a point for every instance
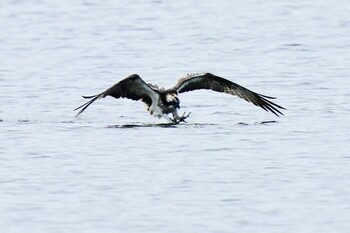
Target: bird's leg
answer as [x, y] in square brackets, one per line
[184, 116]
[171, 120]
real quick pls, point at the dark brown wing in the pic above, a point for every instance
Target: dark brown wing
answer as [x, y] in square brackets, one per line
[132, 87]
[209, 81]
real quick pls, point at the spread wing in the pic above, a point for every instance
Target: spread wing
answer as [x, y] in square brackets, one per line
[132, 87]
[209, 81]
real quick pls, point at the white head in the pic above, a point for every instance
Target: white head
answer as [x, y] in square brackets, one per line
[172, 99]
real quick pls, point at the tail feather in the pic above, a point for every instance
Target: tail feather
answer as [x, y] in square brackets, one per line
[84, 106]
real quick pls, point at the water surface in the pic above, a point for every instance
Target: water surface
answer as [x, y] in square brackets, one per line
[232, 168]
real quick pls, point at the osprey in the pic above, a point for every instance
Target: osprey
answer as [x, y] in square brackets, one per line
[160, 102]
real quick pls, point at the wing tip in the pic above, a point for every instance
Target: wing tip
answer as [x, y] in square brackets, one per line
[87, 104]
[270, 106]
[88, 97]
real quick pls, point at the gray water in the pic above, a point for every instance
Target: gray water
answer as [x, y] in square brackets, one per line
[232, 168]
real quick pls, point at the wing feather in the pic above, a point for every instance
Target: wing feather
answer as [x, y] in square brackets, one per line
[132, 87]
[209, 81]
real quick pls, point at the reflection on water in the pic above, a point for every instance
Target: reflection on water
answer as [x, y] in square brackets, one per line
[160, 125]
[173, 125]
[258, 123]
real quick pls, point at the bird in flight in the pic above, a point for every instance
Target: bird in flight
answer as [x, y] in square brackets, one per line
[160, 101]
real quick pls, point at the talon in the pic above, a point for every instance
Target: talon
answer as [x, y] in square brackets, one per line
[183, 117]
